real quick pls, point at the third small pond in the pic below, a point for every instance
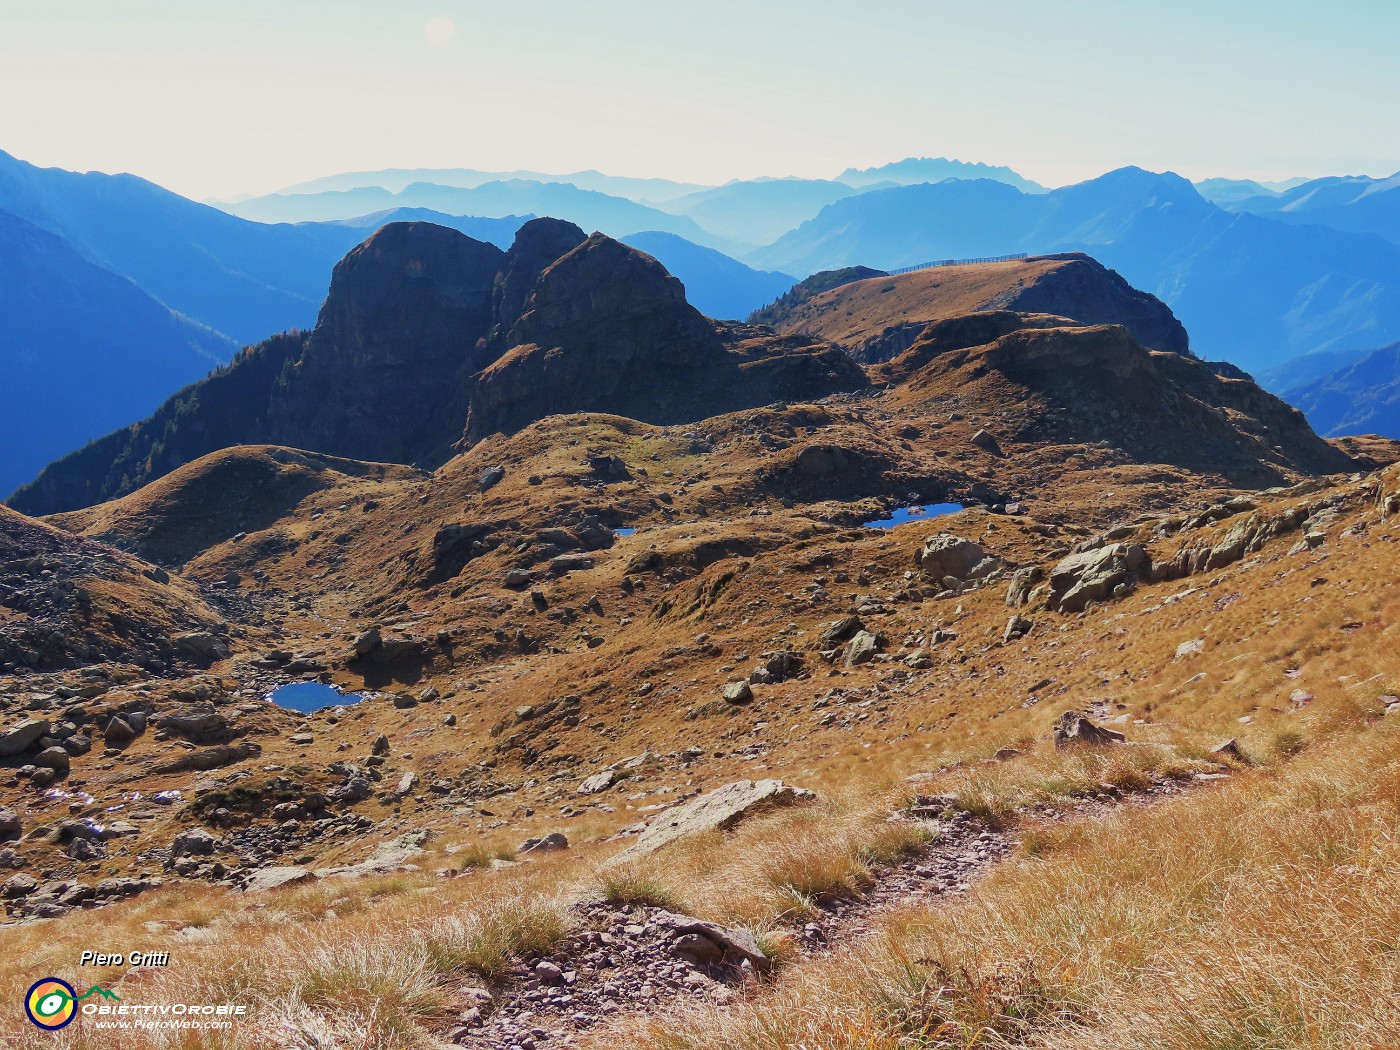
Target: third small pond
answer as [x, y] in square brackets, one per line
[311, 696]
[916, 513]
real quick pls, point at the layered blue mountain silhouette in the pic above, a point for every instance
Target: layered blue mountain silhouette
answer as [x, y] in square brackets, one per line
[1362, 397]
[1251, 290]
[118, 292]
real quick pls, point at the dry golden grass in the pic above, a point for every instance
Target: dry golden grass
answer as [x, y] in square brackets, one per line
[1260, 914]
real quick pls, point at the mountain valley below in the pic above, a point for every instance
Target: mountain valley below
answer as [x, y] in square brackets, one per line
[515, 655]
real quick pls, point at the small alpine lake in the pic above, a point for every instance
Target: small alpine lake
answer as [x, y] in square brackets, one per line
[904, 515]
[307, 697]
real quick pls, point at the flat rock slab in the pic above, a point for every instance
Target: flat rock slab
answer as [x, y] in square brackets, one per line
[271, 878]
[718, 810]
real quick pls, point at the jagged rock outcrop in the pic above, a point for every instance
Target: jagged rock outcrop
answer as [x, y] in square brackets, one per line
[607, 329]
[878, 317]
[538, 244]
[1096, 575]
[1086, 290]
[422, 321]
[397, 340]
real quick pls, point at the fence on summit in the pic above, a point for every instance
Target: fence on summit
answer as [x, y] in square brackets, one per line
[959, 262]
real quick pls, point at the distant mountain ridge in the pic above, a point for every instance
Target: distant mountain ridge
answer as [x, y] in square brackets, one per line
[616, 216]
[83, 350]
[240, 278]
[1250, 290]
[914, 170]
[1357, 204]
[1362, 397]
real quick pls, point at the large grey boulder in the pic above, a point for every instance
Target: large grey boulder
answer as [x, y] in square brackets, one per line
[271, 878]
[54, 758]
[719, 810]
[949, 555]
[200, 723]
[1096, 575]
[599, 782]
[862, 648]
[22, 737]
[194, 842]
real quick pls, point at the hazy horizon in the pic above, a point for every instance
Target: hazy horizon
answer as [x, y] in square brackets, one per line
[220, 104]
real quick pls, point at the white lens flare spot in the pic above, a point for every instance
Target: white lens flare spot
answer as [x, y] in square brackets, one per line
[439, 30]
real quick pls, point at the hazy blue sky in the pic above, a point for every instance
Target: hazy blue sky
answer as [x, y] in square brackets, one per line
[214, 99]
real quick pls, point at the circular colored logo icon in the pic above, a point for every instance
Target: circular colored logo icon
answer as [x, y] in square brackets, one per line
[51, 1004]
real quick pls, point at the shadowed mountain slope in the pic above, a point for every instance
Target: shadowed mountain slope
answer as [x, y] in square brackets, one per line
[1362, 397]
[413, 315]
[82, 350]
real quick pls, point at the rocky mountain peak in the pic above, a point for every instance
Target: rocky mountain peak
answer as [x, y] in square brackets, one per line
[538, 244]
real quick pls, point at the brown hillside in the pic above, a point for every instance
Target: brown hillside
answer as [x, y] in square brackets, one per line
[880, 316]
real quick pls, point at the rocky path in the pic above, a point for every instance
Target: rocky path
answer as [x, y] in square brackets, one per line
[642, 959]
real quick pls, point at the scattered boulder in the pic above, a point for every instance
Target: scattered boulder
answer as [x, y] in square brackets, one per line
[1023, 586]
[1191, 648]
[194, 842]
[405, 787]
[718, 810]
[574, 561]
[839, 632]
[118, 732]
[210, 758]
[986, 442]
[202, 644]
[862, 648]
[1016, 627]
[1096, 575]
[553, 841]
[1229, 749]
[737, 693]
[200, 723]
[949, 555]
[489, 478]
[271, 878]
[367, 641]
[10, 825]
[599, 782]
[1075, 728]
[19, 885]
[517, 579]
[22, 737]
[54, 758]
[548, 973]
[732, 944]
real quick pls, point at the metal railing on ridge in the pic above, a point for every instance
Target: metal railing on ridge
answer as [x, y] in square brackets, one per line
[959, 262]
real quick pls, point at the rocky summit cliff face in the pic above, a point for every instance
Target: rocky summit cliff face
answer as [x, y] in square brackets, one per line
[384, 375]
[607, 329]
[423, 324]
